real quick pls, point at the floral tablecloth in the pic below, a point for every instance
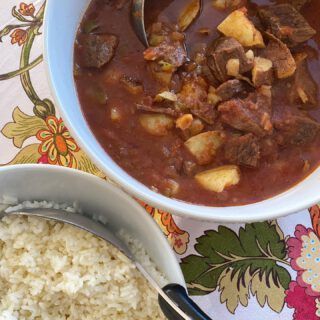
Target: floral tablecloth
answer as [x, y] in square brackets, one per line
[267, 270]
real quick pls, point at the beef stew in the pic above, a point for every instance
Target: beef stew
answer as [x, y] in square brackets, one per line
[222, 108]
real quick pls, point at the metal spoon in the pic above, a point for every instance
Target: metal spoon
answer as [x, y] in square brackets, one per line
[173, 298]
[137, 17]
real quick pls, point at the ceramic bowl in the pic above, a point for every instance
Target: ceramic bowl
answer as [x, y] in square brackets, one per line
[94, 196]
[62, 19]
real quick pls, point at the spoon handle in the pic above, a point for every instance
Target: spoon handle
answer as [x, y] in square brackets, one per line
[179, 295]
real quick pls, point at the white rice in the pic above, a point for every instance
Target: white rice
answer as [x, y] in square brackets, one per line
[50, 270]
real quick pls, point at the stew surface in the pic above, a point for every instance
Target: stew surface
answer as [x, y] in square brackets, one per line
[222, 108]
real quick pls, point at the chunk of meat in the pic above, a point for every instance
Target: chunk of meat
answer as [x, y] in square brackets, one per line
[298, 4]
[193, 98]
[252, 114]
[223, 50]
[166, 45]
[262, 72]
[96, 50]
[231, 89]
[243, 150]
[281, 57]
[154, 109]
[297, 129]
[304, 88]
[287, 24]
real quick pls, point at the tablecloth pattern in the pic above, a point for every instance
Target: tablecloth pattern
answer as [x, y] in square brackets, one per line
[267, 270]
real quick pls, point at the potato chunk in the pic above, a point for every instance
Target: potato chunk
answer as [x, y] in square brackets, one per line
[205, 145]
[218, 179]
[262, 72]
[156, 124]
[238, 26]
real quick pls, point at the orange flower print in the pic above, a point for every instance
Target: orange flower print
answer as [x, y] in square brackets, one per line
[57, 144]
[19, 36]
[27, 9]
[178, 238]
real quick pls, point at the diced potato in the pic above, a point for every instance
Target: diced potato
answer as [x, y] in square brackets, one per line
[188, 15]
[262, 72]
[233, 67]
[166, 95]
[205, 145]
[218, 179]
[156, 124]
[184, 122]
[250, 55]
[238, 26]
[115, 114]
[213, 98]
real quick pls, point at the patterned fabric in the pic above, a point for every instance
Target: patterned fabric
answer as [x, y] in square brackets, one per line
[267, 270]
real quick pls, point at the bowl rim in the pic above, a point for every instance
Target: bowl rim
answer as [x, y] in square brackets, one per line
[230, 214]
[91, 179]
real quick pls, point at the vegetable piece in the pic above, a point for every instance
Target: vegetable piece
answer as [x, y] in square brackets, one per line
[233, 67]
[204, 31]
[115, 114]
[156, 124]
[281, 57]
[238, 26]
[218, 179]
[90, 26]
[205, 145]
[188, 15]
[184, 122]
[262, 72]
[226, 4]
[171, 188]
[166, 95]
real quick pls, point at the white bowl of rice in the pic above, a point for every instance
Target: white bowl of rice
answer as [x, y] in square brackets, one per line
[50, 270]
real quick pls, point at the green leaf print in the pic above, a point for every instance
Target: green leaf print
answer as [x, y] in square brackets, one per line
[230, 262]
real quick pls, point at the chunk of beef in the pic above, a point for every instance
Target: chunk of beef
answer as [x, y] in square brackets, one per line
[223, 50]
[153, 109]
[296, 129]
[287, 24]
[166, 46]
[231, 89]
[283, 62]
[207, 113]
[298, 4]
[252, 114]
[304, 88]
[243, 150]
[96, 50]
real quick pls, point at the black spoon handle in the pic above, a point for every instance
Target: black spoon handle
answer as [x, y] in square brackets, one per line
[180, 297]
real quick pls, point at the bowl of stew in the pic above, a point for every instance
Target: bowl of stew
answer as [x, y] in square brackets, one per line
[218, 119]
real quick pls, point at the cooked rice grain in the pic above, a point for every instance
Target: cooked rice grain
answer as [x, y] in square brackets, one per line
[50, 270]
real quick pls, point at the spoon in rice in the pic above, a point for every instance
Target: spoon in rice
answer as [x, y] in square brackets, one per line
[173, 298]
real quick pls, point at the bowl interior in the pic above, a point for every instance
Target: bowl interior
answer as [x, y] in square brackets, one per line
[93, 196]
[60, 31]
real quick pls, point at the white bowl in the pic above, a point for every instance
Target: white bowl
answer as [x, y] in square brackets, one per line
[93, 196]
[62, 19]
